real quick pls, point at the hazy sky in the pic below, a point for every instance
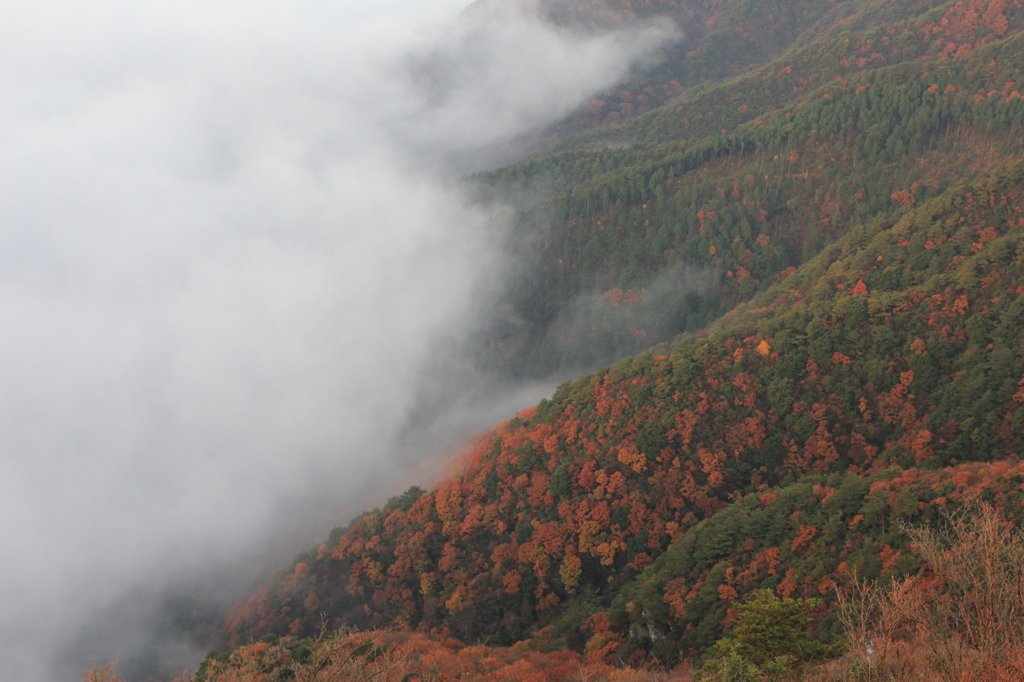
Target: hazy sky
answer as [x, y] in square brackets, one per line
[225, 256]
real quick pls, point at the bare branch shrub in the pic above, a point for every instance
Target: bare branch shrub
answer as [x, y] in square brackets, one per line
[961, 620]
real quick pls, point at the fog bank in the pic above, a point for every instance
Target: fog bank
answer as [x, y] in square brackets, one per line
[230, 246]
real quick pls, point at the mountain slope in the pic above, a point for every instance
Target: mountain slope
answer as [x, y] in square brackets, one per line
[720, 39]
[693, 228]
[893, 33]
[809, 539]
[901, 345]
[846, 265]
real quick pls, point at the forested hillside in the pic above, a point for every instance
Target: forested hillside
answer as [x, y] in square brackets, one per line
[900, 346]
[692, 227]
[721, 39]
[814, 251]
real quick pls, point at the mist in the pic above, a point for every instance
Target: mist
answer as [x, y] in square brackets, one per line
[232, 249]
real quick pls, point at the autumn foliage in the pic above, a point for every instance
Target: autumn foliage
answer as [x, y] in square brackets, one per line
[561, 514]
[838, 233]
[401, 656]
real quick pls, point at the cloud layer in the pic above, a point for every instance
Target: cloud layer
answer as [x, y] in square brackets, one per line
[227, 251]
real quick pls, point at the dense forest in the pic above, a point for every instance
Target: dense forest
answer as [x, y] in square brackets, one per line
[831, 135]
[795, 251]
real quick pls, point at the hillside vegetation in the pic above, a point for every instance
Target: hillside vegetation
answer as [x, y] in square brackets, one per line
[900, 346]
[812, 254]
[631, 246]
